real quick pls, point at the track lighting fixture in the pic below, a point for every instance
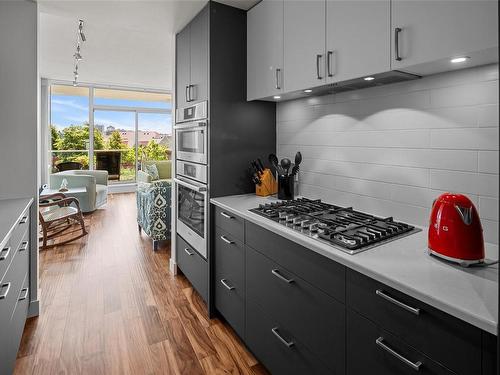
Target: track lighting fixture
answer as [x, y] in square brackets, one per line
[80, 38]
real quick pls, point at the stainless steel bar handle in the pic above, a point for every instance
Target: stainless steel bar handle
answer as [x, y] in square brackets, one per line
[24, 246]
[190, 186]
[188, 252]
[226, 215]
[278, 73]
[329, 56]
[413, 310]
[191, 99]
[413, 365]
[23, 220]
[7, 288]
[226, 240]
[4, 253]
[277, 273]
[226, 285]
[289, 344]
[24, 294]
[397, 30]
[187, 94]
[318, 60]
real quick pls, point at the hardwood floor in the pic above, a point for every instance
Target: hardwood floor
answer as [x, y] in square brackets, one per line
[109, 305]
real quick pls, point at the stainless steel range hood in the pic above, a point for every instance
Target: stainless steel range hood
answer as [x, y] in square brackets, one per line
[385, 78]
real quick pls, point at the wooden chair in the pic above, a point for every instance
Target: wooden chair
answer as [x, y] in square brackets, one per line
[59, 213]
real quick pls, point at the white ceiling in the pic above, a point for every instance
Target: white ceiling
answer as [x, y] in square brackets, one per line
[129, 43]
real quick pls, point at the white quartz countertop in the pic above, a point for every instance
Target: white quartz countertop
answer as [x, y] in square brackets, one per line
[470, 294]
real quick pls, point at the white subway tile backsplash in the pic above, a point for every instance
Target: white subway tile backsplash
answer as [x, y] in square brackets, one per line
[488, 162]
[464, 182]
[470, 94]
[487, 115]
[465, 139]
[488, 208]
[391, 150]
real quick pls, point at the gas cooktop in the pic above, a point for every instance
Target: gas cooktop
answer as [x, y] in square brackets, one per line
[344, 228]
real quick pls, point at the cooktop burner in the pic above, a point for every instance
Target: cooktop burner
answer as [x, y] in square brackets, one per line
[351, 231]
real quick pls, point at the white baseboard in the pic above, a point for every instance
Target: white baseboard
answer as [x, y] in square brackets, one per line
[122, 188]
[173, 266]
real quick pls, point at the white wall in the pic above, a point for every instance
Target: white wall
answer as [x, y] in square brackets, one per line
[19, 108]
[391, 150]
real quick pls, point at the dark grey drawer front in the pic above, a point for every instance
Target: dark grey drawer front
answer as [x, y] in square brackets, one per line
[17, 322]
[11, 284]
[390, 356]
[326, 275]
[229, 280]
[315, 318]
[13, 244]
[278, 357]
[194, 267]
[447, 340]
[230, 223]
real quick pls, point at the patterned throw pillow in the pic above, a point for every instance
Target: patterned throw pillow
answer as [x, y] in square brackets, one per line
[152, 170]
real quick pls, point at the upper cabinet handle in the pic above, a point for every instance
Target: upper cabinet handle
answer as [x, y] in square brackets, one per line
[318, 61]
[187, 93]
[397, 30]
[413, 310]
[191, 96]
[329, 56]
[23, 220]
[278, 86]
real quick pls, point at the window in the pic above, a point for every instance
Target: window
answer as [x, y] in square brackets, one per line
[114, 132]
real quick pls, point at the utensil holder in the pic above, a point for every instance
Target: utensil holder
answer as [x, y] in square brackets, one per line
[286, 186]
[269, 186]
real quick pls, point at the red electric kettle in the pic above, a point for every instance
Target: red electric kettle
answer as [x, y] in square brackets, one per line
[455, 231]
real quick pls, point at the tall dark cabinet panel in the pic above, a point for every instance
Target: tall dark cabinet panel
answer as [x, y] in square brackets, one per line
[183, 67]
[199, 57]
[211, 66]
[240, 131]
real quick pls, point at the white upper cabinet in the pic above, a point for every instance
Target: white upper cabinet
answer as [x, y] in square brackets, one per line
[357, 38]
[427, 34]
[304, 35]
[265, 49]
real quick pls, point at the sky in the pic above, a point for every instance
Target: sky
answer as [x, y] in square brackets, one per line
[67, 110]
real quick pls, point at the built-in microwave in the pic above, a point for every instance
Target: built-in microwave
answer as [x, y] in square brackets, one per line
[191, 141]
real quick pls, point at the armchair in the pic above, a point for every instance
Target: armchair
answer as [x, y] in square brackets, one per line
[154, 202]
[95, 182]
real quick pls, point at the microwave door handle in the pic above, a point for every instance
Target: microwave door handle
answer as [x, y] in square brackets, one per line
[200, 124]
[199, 189]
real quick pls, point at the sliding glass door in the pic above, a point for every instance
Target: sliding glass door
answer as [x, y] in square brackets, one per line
[115, 144]
[108, 129]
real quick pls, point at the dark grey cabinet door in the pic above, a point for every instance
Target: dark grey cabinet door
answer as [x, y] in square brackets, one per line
[199, 56]
[371, 350]
[183, 66]
[193, 266]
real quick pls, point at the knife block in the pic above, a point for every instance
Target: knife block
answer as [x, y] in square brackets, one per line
[269, 186]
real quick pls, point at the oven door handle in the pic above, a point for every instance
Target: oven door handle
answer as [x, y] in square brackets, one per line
[196, 124]
[199, 189]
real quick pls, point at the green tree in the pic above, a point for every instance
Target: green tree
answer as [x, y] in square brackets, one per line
[76, 137]
[115, 141]
[155, 151]
[54, 136]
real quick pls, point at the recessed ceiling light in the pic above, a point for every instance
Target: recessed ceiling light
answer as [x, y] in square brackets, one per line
[459, 59]
[277, 97]
[308, 91]
[369, 78]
